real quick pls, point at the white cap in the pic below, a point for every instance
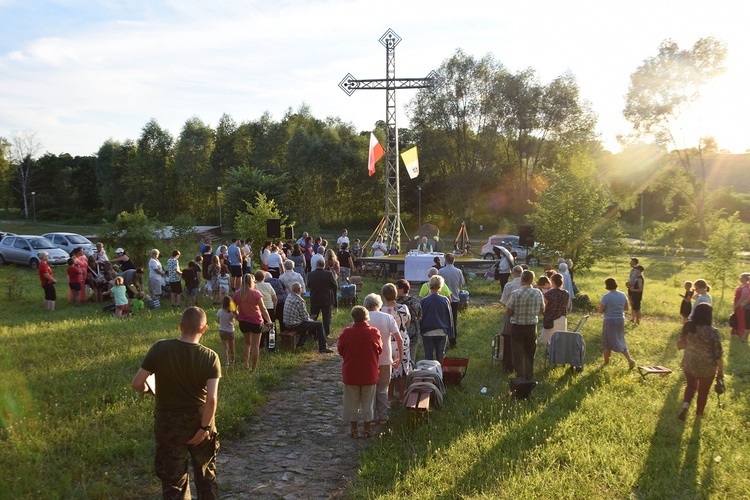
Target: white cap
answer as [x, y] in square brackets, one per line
[119, 250]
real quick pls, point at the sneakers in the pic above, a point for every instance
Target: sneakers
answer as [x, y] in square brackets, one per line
[683, 412]
[326, 351]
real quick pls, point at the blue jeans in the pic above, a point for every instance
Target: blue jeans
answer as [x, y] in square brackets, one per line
[434, 347]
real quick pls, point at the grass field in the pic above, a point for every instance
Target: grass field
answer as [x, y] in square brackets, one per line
[72, 428]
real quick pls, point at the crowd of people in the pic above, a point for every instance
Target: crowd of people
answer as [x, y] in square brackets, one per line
[379, 349]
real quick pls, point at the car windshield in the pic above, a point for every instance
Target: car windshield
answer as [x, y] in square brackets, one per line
[41, 243]
[77, 239]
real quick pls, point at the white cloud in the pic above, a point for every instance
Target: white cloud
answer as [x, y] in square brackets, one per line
[102, 70]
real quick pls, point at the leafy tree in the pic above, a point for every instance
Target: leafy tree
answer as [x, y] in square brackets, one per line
[721, 249]
[575, 218]
[195, 181]
[252, 222]
[486, 124]
[6, 173]
[114, 175]
[136, 233]
[151, 175]
[243, 181]
[661, 90]
[24, 148]
[456, 132]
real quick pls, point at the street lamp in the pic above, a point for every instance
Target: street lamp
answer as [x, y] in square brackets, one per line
[33, 203]
[419, 219]
[218, 199]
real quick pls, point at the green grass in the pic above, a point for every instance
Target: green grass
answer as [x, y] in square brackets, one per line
[603, 433]
[71, 426]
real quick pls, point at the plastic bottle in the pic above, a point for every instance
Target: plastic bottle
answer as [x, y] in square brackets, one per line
[272, 339]
[483, 390]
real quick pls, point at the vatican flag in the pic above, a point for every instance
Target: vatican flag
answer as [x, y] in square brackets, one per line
[411, 162]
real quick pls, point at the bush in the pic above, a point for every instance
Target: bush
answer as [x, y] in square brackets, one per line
[582, 303]
[252, 223]
[135, 233]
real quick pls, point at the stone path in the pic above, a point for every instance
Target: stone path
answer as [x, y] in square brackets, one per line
[297, 446]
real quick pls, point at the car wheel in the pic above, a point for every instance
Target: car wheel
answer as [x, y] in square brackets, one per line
[34, 264]
[2, 260]
[532, 260]
[489, 256]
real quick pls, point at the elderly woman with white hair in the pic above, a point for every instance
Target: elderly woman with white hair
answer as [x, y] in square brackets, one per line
[155, 274]
[388, 329]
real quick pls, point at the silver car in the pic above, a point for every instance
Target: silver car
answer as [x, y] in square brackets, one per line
[69, 241]
[511, 242]
[25, 249]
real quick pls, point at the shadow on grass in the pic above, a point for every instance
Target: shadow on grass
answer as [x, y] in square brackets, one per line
[665, 473]
[569, 393]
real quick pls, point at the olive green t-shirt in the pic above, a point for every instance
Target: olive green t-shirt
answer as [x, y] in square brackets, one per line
[181, 370]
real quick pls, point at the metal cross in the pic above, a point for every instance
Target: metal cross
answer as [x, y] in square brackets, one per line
[390, 83]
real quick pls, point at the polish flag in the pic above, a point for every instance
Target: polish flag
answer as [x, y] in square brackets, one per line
[376, 152]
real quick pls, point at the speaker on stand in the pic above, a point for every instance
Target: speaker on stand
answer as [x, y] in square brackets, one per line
[273, 228]
[526, 236]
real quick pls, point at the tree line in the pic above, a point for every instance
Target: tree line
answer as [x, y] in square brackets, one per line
[496, 147]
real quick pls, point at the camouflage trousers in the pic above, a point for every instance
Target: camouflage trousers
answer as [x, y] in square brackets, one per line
[172, 430]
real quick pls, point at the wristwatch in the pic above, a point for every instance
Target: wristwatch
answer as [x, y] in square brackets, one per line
[206, 428]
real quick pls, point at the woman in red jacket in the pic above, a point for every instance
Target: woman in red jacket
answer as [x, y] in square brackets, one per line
[360, 346]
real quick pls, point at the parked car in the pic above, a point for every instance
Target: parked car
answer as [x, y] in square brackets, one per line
[69, 241]
[3, 234]
[509, 241]
[24, 250]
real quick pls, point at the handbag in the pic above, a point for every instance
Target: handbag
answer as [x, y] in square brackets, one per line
[733, 320]
[548, 323]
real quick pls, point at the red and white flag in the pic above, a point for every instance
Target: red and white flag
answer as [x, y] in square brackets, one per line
[376, 153]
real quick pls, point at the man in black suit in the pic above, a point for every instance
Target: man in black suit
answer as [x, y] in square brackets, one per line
[323, 288]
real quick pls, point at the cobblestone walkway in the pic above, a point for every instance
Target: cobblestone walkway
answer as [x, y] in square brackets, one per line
[297, 445]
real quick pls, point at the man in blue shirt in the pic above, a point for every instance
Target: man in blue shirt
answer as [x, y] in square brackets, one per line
[454, 278]
[234, 256]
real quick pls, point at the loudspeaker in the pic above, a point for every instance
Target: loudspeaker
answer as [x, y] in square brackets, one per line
[520, 387]
[289, 233]
[273, 228]
[526, 236]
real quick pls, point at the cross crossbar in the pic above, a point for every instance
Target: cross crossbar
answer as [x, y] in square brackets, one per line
[350, 84]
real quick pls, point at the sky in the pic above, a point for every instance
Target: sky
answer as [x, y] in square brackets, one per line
[81, 72]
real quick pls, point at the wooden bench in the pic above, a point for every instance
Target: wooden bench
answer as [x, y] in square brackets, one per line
[418, 402]
[289, 339]
[648, 370]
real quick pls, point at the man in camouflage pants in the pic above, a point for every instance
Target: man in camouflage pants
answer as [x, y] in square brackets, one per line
[187, 377]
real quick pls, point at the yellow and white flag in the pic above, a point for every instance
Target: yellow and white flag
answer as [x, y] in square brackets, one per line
[411, 162]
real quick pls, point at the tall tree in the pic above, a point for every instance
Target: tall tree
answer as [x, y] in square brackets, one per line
[152, 172]
[456, 132]
[661, 89]
[6, 173]
[114, 177]
[539, 122]
[25, 147]
[195, 181]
